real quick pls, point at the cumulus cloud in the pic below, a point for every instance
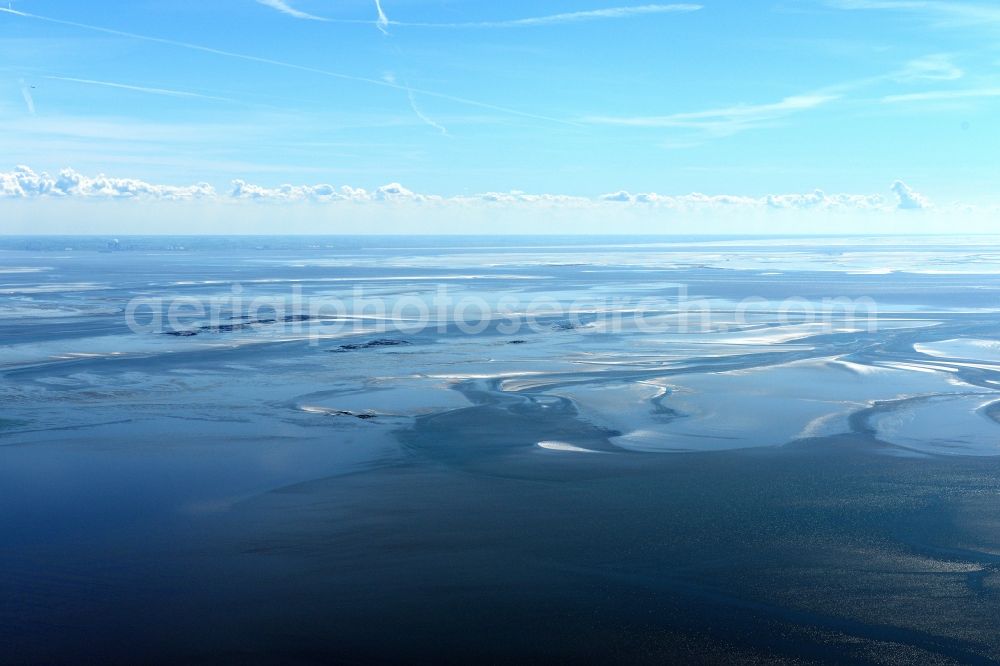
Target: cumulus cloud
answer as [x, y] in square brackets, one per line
[816, 200]
[624, 196]
[325, 193]
[908, 199]
[23, 182]
[518, 197]
[394, 192]
[821, 200]
[244, 190]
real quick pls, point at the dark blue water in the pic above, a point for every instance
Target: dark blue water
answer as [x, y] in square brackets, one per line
[637, 449]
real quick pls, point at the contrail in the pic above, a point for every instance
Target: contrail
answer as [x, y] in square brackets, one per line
[610, 13]
[420, 114]
[154, 91]
[569, 17]
[285, 8]
[28, 99]
[383, 21]
[391, 78]
[288, 65]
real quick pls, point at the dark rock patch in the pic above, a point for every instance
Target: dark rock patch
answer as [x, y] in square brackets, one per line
[379, 342]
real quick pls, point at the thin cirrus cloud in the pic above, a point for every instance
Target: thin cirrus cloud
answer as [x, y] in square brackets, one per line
[722, 121]
[25, 183]
[726, 121]
[960, 13]
[382, 22]
[934, 67]
[285, 8]
[167, 92]
[29, 101]
[287, 65]
[568, 17]
[942, 95]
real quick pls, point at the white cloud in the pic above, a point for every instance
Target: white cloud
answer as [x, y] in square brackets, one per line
[816, 200]
[908, 199]
[823, 201]
[422, 116]
[390, 77]
[144, 89]
[620, 196]
[285, 8]
[29, 101]
[694, 127]
[283, 64]
[396, 192]
[722, 121]
[942, 95]
[729, 120]
[934, 67]
[518, 197]
[23, 182]
[940, 12]
[382, 23]
[568, 17]
[244, 190]
[323, 193]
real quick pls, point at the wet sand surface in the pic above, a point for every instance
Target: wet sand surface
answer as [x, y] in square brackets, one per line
[761, 491]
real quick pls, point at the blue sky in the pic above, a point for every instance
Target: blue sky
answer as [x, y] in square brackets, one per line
[590, 107]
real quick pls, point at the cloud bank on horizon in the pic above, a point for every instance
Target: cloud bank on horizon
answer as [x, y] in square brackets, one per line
[25, 183]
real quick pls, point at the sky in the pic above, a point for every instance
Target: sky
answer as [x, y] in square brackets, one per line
[464, 116]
